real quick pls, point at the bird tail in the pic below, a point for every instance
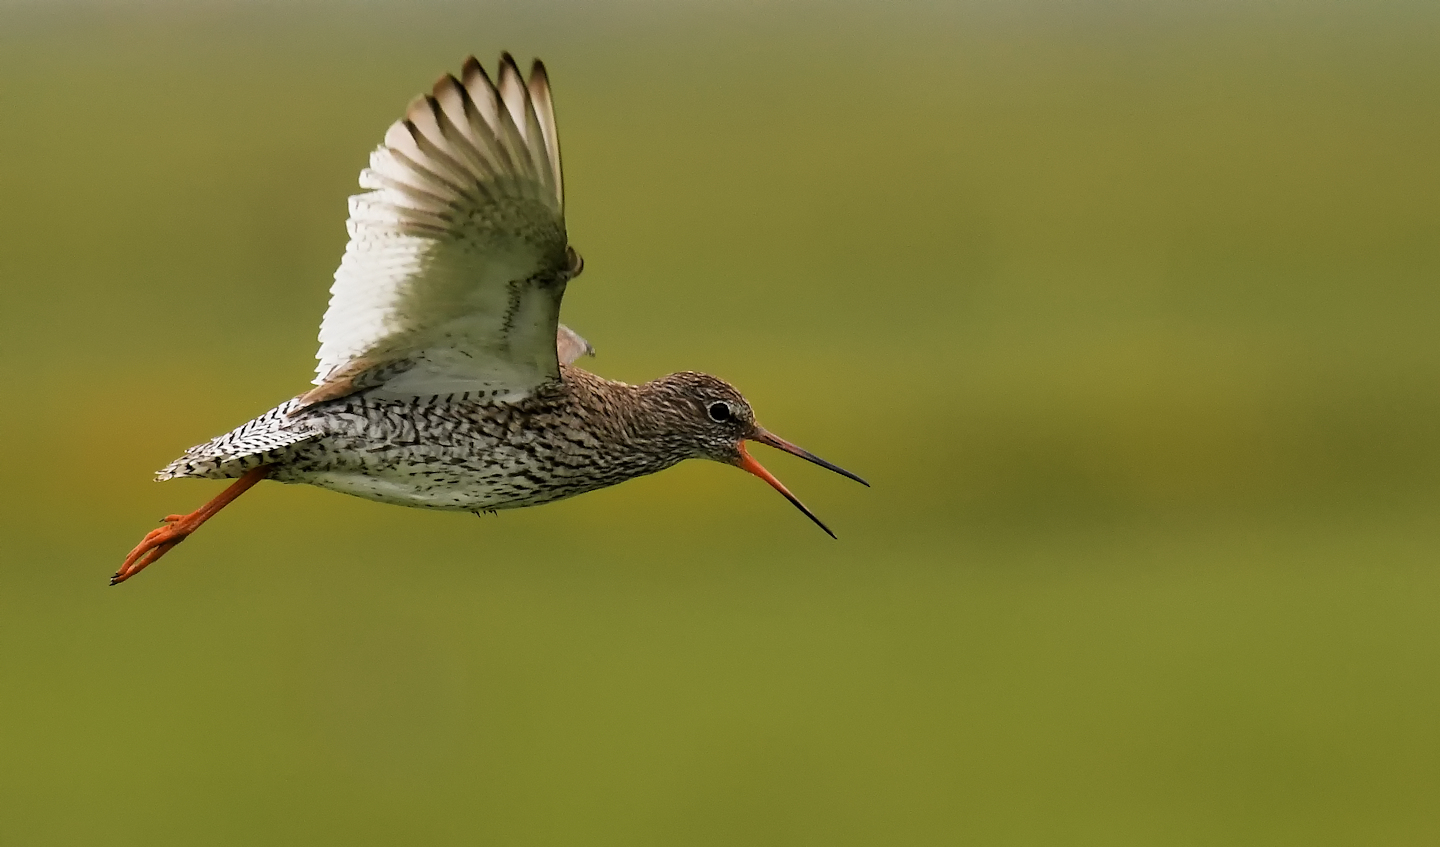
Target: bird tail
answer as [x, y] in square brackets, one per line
[257, 442]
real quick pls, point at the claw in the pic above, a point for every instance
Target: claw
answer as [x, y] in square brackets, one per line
[177, 528]
[156, 543]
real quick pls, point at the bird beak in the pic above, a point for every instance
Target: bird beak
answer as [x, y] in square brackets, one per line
[745, 461]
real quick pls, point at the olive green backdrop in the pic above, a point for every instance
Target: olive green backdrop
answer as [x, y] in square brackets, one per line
[1127, 310]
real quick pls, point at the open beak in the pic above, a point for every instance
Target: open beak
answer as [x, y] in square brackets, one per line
[746, 462]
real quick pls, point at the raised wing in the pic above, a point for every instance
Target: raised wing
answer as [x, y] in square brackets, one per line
[458, 257]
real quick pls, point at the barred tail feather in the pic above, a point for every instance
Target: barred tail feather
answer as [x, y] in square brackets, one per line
[232, 454]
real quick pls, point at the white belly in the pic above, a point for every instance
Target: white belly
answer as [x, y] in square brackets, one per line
[420, 492]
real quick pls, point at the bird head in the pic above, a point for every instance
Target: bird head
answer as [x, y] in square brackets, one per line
[715, 422]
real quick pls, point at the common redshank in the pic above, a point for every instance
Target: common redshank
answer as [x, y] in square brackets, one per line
[446, 380]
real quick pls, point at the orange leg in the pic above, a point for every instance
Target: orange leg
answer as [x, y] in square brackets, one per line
[177, 527]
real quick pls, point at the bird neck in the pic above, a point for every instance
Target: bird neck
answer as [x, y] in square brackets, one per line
[643, 415]
[633, 424]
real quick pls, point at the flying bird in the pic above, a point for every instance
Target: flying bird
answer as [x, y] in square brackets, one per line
[445, 379]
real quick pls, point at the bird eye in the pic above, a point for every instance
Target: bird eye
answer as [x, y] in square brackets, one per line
[719, 412]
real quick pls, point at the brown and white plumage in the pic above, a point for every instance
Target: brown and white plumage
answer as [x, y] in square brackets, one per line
[458, 255]
[445, 380]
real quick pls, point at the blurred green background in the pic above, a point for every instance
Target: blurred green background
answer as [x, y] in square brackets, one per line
[1126, 310]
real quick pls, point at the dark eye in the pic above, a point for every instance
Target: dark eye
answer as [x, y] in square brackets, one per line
[719, 412]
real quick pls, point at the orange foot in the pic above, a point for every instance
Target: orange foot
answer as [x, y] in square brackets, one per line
[177, 528]
[156, 543]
